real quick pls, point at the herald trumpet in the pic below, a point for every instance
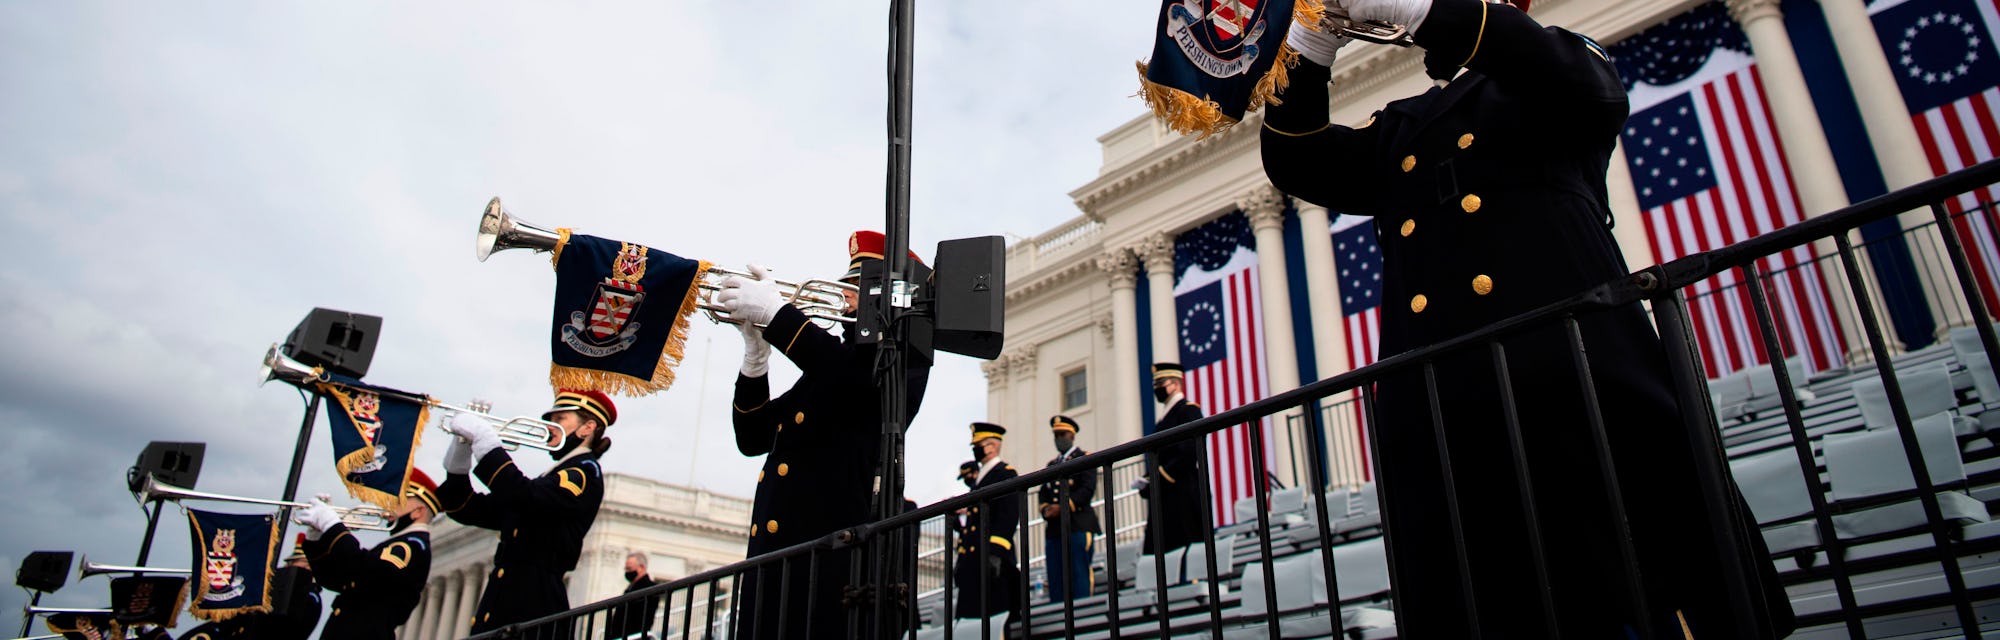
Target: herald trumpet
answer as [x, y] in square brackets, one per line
[88, 569]
[515, 432]
[1375, 31]
[820, 299]
[366, 517]
[520, 431]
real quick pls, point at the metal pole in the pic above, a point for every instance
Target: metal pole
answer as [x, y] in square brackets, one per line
[28, 619]
[146, 544]
[895, 299]
[298, 461]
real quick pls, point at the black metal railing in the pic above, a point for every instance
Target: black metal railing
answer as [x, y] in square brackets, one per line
[1335, 560]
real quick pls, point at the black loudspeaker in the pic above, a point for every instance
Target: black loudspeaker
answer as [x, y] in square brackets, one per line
[970, 296]
[44, 571]
[342, 342]
[175, 463]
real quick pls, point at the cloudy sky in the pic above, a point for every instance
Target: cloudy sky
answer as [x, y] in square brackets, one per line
[181, 183]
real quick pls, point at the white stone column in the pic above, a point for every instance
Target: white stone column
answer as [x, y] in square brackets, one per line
[468, 601]
[1024, 386]
[448, 611]
[1158, 254]
[420, 624]
[1122, 268]
[1265, 207]
[1893, 136]
[1814, 175]
[1322, 290]
[996, 388]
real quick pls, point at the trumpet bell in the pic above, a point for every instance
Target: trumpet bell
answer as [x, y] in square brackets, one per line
[1374, 31]
[277, 366]
[500, 230]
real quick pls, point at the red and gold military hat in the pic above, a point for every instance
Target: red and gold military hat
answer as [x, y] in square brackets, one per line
[868, 245]
[421, 487]
[593, 402]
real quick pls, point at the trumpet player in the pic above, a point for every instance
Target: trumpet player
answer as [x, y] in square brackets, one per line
[820, 441]
[1470, 185]
[378, 587]
[541, 520]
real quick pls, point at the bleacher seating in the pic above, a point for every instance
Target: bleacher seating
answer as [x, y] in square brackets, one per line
[1856, 453]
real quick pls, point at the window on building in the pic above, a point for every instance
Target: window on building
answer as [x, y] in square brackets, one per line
[1075, 389]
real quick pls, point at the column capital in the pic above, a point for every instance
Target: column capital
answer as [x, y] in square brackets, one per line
[1157, 251]
[1023, 362]
[1107, 327]
[1264, 205]
[1121, 266]
[1747, 11]
[1303, 206]
[996, 372]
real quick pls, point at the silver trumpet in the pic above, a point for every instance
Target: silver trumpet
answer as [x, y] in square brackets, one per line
[87, 569]
[499, 230]
[1374, 31]
[367, 517]
[516, 432]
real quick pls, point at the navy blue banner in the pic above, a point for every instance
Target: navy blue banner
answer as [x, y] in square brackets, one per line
[1214, 60]
[232, 563]
[83, 626]
[139, 601]
[376, 432]
[621, 315]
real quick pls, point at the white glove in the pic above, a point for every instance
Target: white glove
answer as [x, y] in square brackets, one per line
[458, 457]
[1409, 13]
[1317, 46]
[1139, 484]
[756, 352]
[752, 301]
[479, 435]
[318, 518]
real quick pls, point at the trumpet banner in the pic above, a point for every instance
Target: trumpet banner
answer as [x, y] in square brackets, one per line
[621, 315]
[232, 560]
[83, 626]
[1216, 60]
[147, 600]
[376, 432]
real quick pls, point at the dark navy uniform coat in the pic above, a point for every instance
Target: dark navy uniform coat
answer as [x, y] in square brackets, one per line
[1488, 197]
[541, 522]
[1000, 587]
[1178, 521]
[1072, 496]
[821, 440]
[378, 587]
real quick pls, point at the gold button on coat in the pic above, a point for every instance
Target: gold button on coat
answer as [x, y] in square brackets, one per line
[1470, 203]
[1409, 163]
[784, 469]
[500, 574]
[1482, 285]
[771, 526]
[799, 418]
[1409, 227]
[1465, 141]
[760, 475]
[1418, 303]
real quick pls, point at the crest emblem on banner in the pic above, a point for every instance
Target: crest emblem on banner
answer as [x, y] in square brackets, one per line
[610, 328]
[223, 583]
[368, 421]
[1216, 60]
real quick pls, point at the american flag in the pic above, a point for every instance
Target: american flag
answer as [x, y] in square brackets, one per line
[1948, 69]
[1359, 263]
[1709, 171]
[1222, 347]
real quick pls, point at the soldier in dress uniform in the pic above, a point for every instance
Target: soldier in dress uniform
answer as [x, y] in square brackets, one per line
[379, 586]
[302, 610]
[541, 520]
[1068, 501]
[821, 441]
[1177, 522]
[984, 572]
[1488, 196]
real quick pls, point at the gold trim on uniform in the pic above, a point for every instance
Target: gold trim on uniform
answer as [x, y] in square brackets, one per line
[575, 488]
[982, 435]
[1470, 203]
[1409, 227]
[1163, 375]
[1289, 134]
[1418, 303]
[1482, 285]
[1478, 38]
[1003, 542]
[400, 560]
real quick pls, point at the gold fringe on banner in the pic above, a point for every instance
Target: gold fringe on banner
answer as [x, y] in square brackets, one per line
[562, 377]
[1184, 113]
[201, 578]
[354, 459]
[562, 240]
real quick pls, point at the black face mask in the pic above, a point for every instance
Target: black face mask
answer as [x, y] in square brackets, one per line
[1064, 443]
[570, 442]
[631, 576]
[403, 523]
[1160, 394]
[978, 453]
